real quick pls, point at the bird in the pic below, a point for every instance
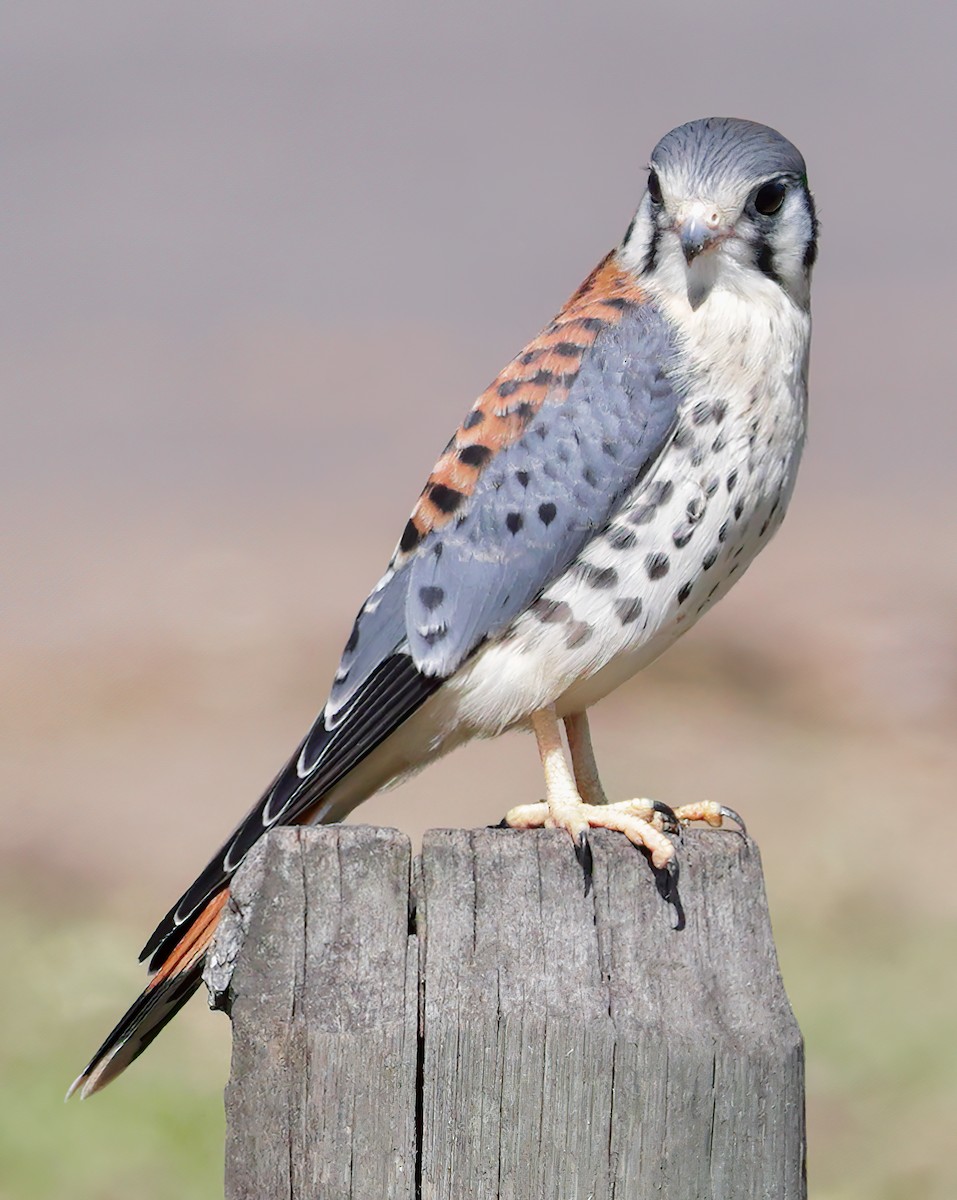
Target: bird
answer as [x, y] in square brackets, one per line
[604, 491]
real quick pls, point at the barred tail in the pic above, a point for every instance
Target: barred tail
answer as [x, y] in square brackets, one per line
[165, 994]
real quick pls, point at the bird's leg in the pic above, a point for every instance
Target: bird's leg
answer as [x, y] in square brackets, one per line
[660, 815]
[583, 759]
[589, 782]
[565, 809]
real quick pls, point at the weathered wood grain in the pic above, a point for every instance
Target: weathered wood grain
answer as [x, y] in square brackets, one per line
[572, 1047]
[324, 1002]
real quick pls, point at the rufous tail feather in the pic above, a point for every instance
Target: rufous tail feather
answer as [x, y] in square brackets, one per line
[165, 994]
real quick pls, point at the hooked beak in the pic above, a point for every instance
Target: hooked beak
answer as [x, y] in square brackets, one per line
[699, 229]
[695, 237]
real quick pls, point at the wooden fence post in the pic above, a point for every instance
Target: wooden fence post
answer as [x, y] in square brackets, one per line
[488, 1032]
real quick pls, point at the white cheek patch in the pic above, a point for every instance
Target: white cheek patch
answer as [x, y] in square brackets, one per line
[791, 236]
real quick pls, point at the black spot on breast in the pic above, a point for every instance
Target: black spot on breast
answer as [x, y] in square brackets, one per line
[431, 597]
[524, 411]
[474, 456]
[682, 535]
[514, 522]
[620, 538]
[550, 611]
[685, 591]
[723, 531]
[597, 577]
[695, 509]
[431, 636]
[731, 480]
[445, 499]
[353, 639]
[738, 510]
[702, 412]
[660, 491]
[410, 537]
[719, 411]
[590, 477]
[719, 444]
[567, 349]
[682, 436]
[657, 565]
[475, 417]
[547, 513]
[642, 514]
[508, 387]
[611, 449]
[578, 632]
[709, 560]
[523, 478]
[628, 611]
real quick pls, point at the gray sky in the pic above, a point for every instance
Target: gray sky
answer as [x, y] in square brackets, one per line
[246, 244]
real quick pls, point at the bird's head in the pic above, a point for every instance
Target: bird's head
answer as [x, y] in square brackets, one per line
[727, 200]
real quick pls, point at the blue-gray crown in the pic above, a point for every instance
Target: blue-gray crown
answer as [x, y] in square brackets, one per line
[719, 150]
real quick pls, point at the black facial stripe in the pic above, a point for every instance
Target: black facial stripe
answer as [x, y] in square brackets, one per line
[765, 260]
[810, 250]
[651, 257]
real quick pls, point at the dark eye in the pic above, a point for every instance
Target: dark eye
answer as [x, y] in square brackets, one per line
[654, 187]
[769, 198]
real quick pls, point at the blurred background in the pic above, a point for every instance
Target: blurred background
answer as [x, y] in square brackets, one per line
[253, 253]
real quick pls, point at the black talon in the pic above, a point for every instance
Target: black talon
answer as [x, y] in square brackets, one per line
[583, 854]
[671, 822]
[666, 879]
[503, 824]
[729, 813]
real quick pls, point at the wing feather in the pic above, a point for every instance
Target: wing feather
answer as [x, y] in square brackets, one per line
[543, 498]
[390, 695]
[535, 469]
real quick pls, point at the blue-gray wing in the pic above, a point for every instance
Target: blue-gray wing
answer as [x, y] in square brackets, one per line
[537, 468]
[535, 504]
[542, 499]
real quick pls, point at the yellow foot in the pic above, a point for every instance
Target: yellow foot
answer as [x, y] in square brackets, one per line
[644, 822]
[575, 801]
[710, 811]
[639, 820]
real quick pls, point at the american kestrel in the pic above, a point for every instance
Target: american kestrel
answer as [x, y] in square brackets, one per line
[602, 493]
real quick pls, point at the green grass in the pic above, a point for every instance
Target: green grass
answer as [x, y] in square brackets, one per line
[874, 990]
[156, 1134]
